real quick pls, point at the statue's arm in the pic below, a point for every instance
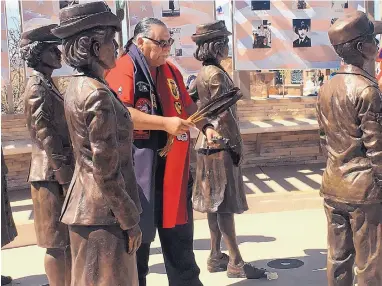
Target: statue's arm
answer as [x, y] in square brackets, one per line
[218, 84]
[369, 107]
[101, 122]
[41, 107]
[323, 142]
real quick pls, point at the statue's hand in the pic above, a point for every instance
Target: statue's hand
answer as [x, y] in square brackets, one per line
[212, 137]
[134, 239]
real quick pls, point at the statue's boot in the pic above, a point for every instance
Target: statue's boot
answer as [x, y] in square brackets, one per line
[218, 264]
[249, 271]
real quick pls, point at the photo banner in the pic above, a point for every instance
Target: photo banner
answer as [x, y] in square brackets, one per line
[181, 17]
[290, 34]
[5, 71]
[38, 13]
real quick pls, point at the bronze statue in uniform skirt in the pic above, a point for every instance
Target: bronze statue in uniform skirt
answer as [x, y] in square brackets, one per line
[102, 207]
[218, 188]
[52, 165]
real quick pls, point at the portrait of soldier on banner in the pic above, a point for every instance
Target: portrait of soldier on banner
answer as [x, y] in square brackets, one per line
[170, 8]
[301, 28]
[262, 37]
[300, 5]
[260, 5]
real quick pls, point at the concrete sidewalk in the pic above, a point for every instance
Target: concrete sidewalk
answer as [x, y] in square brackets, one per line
[263, 237]
[269, 189]
[285, 220]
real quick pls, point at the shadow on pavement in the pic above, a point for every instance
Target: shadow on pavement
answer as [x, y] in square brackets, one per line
[204, 244]
[312, 273]
[299, 174]
[33, 280]
[158, 268]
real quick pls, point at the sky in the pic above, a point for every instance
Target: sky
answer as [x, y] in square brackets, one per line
[12, 11]
[378, 9]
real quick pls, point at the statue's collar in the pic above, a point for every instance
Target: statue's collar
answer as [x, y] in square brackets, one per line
[47, 81]
[89, 74]
[350, 69]
[40, 75]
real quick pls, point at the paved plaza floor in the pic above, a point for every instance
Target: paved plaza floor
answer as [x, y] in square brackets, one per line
[285, 221]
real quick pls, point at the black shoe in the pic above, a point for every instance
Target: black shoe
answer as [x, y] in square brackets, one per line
[5, 280]
[249, 271]
[245, 270]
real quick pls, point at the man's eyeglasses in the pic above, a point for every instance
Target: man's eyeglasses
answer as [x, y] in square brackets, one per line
[162, 43]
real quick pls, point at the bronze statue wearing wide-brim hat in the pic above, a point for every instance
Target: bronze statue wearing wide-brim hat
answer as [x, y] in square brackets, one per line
[351, 26]
[205, 32]
[40, 34]
[77, 18]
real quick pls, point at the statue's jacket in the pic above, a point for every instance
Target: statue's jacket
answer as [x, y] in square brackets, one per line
[52, 158]
[103, 190]
[349, 111]
[218, 183]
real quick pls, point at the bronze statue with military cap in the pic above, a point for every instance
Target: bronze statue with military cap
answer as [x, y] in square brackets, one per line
[218, 189]
[102, 207]
[52, 165]
[349, 110]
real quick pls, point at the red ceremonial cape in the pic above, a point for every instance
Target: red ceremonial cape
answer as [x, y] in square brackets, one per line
[177, 160]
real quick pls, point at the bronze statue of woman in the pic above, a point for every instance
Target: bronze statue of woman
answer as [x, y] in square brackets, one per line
[51, 166]
[218, 189]
[102, 207]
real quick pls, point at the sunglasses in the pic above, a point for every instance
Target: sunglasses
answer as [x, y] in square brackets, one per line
[162, 43]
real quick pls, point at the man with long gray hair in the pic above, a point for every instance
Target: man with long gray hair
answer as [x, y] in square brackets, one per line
[150, 85]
